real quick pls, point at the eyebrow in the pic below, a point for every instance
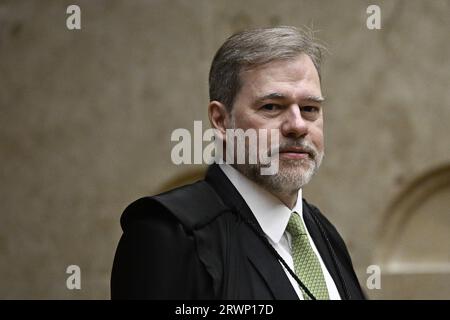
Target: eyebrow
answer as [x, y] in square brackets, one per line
[280, 96]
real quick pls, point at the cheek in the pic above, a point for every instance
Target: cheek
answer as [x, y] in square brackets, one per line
[317, 137]
[320, 142]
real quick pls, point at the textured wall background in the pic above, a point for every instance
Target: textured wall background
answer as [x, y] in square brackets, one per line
[86, 118]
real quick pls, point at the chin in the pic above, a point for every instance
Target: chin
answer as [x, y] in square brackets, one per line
[294, 178]
[297, 167]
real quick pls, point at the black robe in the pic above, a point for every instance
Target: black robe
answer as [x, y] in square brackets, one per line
[197, 242]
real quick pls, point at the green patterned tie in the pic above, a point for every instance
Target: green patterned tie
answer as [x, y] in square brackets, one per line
[306, 264]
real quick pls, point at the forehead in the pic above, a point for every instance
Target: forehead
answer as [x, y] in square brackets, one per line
[296, 78]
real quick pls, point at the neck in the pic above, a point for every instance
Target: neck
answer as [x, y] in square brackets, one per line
[289, 199]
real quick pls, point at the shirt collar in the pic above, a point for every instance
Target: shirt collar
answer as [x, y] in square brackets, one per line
[271, 214]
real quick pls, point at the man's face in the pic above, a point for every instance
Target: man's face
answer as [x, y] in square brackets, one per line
[283, 95]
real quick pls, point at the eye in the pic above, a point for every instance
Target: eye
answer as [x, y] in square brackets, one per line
[310, 109]
[310, 113]
[270, 107]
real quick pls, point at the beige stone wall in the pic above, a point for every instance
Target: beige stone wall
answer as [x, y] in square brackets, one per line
[86, 118]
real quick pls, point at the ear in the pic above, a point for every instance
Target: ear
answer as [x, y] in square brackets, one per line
[219, 117]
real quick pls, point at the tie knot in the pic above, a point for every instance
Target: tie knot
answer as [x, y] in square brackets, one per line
[295, 225]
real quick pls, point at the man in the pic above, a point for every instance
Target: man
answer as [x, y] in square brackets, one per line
[240, 234]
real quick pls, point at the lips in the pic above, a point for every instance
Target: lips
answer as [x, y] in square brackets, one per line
[296, 152]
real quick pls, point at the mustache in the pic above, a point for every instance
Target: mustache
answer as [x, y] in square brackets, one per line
[304, 145]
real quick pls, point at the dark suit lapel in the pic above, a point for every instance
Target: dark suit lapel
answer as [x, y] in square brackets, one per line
[261, 258]
[324, 252]
[264, 261]
[269, 268]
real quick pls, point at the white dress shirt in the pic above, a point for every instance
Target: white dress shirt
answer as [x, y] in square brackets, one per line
[273, 217]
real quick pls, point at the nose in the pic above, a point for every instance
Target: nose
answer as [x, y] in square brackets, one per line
[293, 124]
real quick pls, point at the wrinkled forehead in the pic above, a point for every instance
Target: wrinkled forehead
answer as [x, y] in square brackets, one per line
[295, 78]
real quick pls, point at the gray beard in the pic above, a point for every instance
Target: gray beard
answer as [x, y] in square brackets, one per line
[292, 174]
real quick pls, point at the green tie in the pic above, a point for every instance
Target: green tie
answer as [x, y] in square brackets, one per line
[306, 264]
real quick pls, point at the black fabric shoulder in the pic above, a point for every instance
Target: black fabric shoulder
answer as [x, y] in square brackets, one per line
[193, 205]
[154, 255]
[331, 230]
[324, 220]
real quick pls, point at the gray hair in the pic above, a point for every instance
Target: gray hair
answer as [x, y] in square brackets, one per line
[252, 48]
